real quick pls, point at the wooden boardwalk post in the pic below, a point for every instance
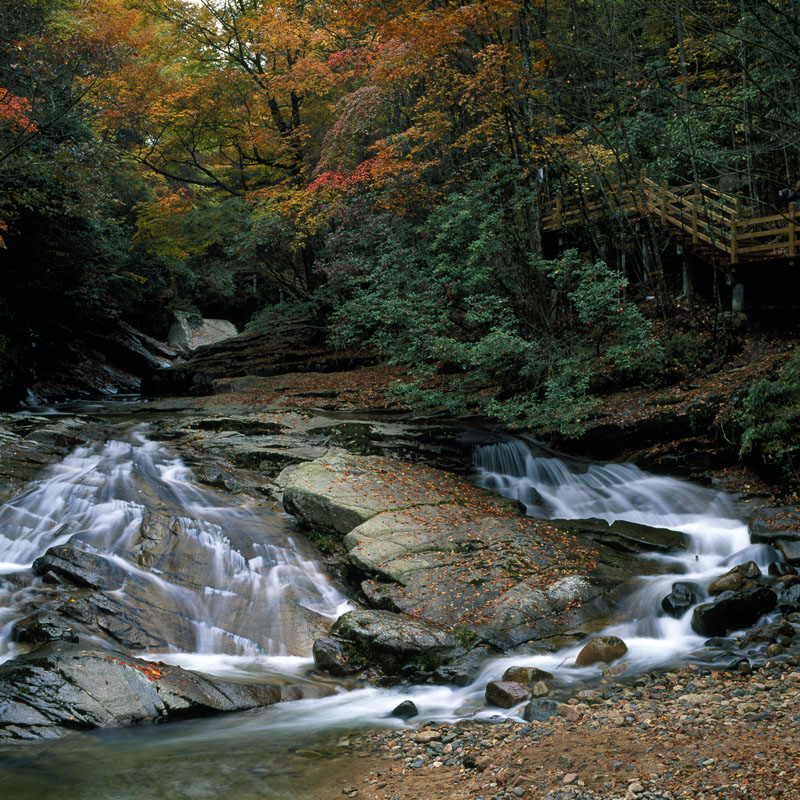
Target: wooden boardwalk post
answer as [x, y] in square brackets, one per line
[695, 238]
[792, 229]
[734, 233]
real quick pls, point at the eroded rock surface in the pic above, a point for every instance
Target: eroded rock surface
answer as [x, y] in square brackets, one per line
[432, 546]
[62, 687]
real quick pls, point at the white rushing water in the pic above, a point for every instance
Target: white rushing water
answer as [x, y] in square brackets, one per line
[229, 584]
[232, 581]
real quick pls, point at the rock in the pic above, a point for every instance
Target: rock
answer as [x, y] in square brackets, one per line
[538, 710]
[567, 711]
[426, 737]
[338, 493]
[68, 564]
[771, 632]
[190, 331]
[749, 570]
[43, 626]
[733, 611]
[526, 675]
[61, 687]
[106, 357]
[391, 642]
[604, 649]
[789, 599]
[790, 549]
[781, 568]
[333, 657]
[505, 694]
[540, 689]
[774, 649]
[616, 670]
[730, 582]
[683, 596]
[405, 710]
[463, 669]
[427, 537]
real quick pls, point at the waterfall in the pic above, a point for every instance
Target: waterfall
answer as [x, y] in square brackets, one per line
[199, 574]
[552, 488]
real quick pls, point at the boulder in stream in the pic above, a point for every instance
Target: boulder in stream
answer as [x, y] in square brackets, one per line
[63, 687]
[386, 640]
[603, 649]
[733, 611]
[683, 596]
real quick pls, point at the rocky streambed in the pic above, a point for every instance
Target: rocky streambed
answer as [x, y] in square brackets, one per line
[449, 584]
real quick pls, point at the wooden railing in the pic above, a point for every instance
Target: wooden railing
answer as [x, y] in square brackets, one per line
[699, 214]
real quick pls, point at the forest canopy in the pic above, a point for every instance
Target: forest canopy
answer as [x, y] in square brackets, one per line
[382, 167]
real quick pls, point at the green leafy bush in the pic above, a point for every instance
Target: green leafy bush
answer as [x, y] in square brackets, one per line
[770, 420]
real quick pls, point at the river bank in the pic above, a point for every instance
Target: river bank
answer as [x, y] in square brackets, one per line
[246, 451]
[687, 733]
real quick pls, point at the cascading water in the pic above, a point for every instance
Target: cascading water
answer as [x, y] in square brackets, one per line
[200, 577]
[717, 538]
[238, 598]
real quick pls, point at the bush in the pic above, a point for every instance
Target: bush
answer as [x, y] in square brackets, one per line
[770, 420]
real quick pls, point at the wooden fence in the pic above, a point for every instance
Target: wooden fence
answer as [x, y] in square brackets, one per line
[718, 224]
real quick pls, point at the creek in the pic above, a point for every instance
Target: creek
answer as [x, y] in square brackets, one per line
[241, 596]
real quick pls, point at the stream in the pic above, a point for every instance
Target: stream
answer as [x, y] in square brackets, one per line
[243, 597]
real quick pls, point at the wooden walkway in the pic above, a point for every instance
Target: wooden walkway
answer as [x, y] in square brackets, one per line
[717, 225]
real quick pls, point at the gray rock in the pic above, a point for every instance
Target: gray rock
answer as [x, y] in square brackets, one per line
[683, 596]
[392, 642]
[43, 626]
[733, 610]
[789, 599]
[538, 710]
[69, 564]
[190, 331]
[61, 687]
[333, 657]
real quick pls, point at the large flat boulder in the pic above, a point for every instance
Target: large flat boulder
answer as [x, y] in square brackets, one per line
[62, 687]
[337, 493]
[440, 550]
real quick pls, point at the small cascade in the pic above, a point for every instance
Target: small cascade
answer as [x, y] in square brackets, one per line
[552, 489]
[193, 572]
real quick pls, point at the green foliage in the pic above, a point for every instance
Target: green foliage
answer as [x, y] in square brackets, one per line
[770, 419]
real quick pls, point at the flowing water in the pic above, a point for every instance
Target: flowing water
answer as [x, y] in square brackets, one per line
[239, 597]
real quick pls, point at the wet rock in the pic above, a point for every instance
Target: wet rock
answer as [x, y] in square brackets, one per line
[392, 642]
[44, 626]
[505, 694]
[772, 632]
[780, 569]
[603, 649]
[683, 596]
[749, 570]
[789, 599]
[61, 687]
[616, 670]
[790, 549]
[538, 710]
[730, 582]
[463, 669]
[68, 564]
[405, 710]
[526, 675]
[333, 657]
[733, 611]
